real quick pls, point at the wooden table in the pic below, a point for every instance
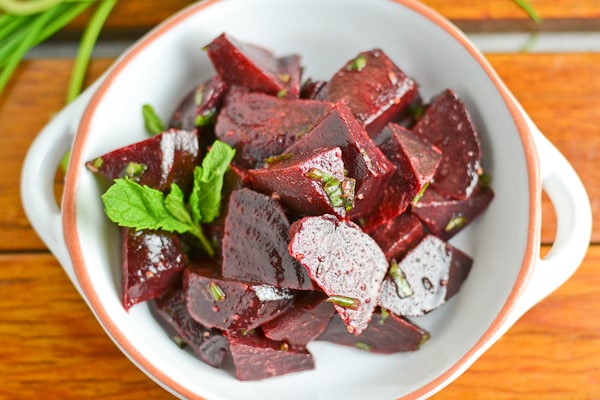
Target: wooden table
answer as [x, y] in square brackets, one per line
[52, 347]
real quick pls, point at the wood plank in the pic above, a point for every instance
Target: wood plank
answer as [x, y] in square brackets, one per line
[566, 113]
[54, 348]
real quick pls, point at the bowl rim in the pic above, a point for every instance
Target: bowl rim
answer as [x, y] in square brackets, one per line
[69, 203]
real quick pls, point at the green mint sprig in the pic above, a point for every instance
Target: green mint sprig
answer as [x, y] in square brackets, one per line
[131, 205]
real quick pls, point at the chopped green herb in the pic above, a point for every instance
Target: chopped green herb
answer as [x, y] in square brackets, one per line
[485, 180]
[152, 121]
[416, 110]
[133, 170]
[425, 338]
[363, 346]
[206, 118]
[358, 64]
[343, 301]
[339, 191]
[179, 341]
[399, 278]
[419, 195]
[456, 222]
[97, 163]
[285, 78]
[282, 93]
[199, 95]
[385, 313]
[217, 292]
[275, 159]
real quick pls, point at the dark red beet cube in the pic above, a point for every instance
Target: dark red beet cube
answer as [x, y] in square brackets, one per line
[228, 304]
[386, 334]
[255, 243]
[208, 344]
[363, 159]
[373, 87]
[416, 162]
[253, 67]
[302, 182]
[259, 126]
[303, 322]
[151, 264]
[445, 217]
[256, 357]
[345, 262]
[167, 158]
[430, 274]
[398, 235]
[447, 125]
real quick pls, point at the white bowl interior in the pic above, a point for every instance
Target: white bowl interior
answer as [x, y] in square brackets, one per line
[161, 73]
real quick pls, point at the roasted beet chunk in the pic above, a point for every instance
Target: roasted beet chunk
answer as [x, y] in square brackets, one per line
[303, 322]
[255, 243]
[386, 334]
[310, 183]
[217, 302]
[445, 217]
[429, 275]
[373, 87]
[364, 161]
[344, 261]
[209, 344]
[398, 235]
[256, 357]
[151, 264]
[253, 67]
[157, 162]
[447, 124]
[416, 162]
[259, 126]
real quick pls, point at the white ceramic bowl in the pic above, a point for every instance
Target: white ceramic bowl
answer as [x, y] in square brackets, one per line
[508, 276]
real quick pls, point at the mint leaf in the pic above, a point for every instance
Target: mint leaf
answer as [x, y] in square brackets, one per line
[132, 205]
[205, 199]
[152, 121]
[175, 205]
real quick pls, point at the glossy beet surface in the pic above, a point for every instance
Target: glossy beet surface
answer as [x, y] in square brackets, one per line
[398, 235]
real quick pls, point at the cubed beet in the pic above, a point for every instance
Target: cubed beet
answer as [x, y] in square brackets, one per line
[260, 126]
[256, 357]
[151, 264]
[386, 334]
[363, 159]
[311, 183]
[228, 304]
[445, 217]
[159, 161]
[416, 162]
[254, 67]
[210, 345]
[447, 125]
[345, 262]
[430, 274]
[398, 235]
[373, 87]
[255, 243]
[303, 322]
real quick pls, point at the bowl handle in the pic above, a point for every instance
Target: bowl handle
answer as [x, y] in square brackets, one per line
[574, 224]
[37, 178]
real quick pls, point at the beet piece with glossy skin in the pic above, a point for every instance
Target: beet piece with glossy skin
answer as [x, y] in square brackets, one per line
[373, 87]
[363, 159]
[447, 125]
[429, 275]
[255, 243]
[208, 344]
[345, 262]
[398, 235]
[386, 334]
[253, 67]
[228, 304]
[416, 162]
[445, 217]
[259, 126]
[255, 357]
[303, 322]
[159, 161]
[151, 264]
[299, 181]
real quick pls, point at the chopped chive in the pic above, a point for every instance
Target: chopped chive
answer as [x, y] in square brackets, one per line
[358, 64]
[363, 346]
[419, 195]
[152, 121]
[179, 341]
[339, 191]
[279, 158]
[217, 292]
[403, 288]
[343, 301]
[385, 313]
[282, 93]
[206, 118]
[456, 222]
[133, 170]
